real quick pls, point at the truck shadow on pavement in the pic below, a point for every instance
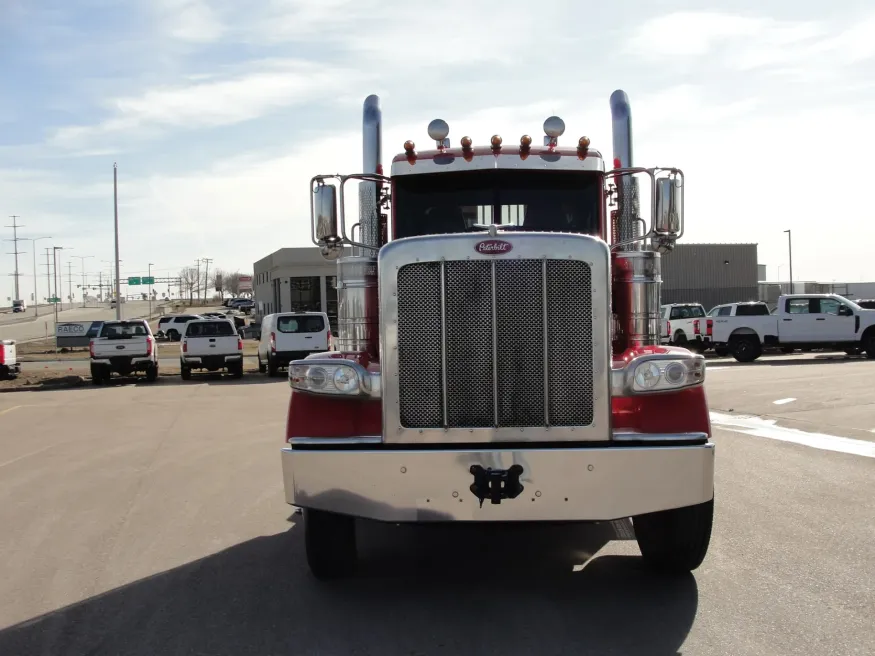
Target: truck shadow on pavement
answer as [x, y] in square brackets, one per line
[788, 360]
[436, 589]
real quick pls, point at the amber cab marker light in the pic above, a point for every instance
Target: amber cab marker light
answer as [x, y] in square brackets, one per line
[466, 143]
[525, 141]
[496, 142]
[409, 147]
[583, 144]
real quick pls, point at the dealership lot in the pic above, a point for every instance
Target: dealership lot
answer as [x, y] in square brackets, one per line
[150, 519]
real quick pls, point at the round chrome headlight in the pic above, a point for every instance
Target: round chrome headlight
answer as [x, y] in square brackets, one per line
[318, 377]
[647, 375]
[675, 373]
[346, 380]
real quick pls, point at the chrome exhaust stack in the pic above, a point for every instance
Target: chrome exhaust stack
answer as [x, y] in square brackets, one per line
[636, 275]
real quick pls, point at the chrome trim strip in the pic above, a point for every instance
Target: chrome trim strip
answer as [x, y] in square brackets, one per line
[625, 436]
[335, 441]
[444, 390]
[494, 347]
[546, 330]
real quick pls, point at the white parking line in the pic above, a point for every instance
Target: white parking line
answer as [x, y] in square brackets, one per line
[759, 427]
[783, 401]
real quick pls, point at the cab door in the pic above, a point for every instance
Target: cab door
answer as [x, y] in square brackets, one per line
[839, 320]
[799, 321]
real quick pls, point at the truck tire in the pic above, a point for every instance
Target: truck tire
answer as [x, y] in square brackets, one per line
[184, 372]
[236, 370]
[680, 339]
[262, 368]
[675, 540]
[152, 373]
[869, 344]
[97, 375]
[746, 349]
[330, 542]
[271, 367]
[173, 335]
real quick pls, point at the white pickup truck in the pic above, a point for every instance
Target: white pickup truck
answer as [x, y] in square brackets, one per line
[123, 347]
[799, 321]
[9, 367]
[211, 344]
[685, 325]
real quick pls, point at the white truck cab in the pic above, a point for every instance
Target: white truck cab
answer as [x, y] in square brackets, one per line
[9, 366]
[287, 336]
[19, 306]
[799, 321]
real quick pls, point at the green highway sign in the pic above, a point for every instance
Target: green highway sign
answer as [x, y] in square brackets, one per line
[148, 280]
[54, 299]
[134, 281]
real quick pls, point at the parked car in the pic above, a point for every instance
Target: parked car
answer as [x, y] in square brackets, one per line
[19, 306]
[211, 344]
[746, 309]
[172, 326]
[9, 366]
[123, 347]
[813, 321]
[288, 336]
[684, 324]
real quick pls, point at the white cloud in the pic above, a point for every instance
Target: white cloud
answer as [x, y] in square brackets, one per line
[690, 33]
[264, 87]
[189, 20]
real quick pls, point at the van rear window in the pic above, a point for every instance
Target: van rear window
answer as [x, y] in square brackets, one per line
[210, 329]
[300, 324]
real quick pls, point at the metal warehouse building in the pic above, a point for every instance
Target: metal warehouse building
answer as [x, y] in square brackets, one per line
[710, 274]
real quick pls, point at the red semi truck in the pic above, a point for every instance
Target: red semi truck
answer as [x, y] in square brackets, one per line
[498, 355]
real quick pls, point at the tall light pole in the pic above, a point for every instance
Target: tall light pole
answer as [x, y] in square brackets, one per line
[790, 247]
[15, 239]
[35, 286]
[150, 289]
[55, 260]
[82, 259]
[118, 285]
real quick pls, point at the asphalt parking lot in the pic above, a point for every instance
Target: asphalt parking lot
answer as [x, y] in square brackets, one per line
[149, 519]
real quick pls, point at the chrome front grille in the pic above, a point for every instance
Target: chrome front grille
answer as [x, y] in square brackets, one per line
[495, 344]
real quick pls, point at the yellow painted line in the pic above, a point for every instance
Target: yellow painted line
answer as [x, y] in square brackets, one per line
[3, 412]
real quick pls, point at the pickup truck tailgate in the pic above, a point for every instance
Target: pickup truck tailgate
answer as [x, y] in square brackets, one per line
[201, 346]
[110, 347]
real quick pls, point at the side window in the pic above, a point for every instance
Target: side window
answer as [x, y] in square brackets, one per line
[829, 306]
[797, 306]
[725, 311]
[713, 312]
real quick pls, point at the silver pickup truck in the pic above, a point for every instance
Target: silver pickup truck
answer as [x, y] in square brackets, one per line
[124, 348]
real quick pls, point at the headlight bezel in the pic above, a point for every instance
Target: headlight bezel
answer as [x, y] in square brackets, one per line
[625, 380]
[320, 376]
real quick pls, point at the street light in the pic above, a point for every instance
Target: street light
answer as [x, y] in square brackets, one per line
[35, 293]
[55, 262]
[150, 289]
[790, 247]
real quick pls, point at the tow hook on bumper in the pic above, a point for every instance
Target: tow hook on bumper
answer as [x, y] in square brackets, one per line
[497, 484]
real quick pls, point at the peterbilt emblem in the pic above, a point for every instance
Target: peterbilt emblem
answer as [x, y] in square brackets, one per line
[493, 247]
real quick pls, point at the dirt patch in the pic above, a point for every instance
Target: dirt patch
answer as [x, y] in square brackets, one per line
[43, 381]
[44, 349]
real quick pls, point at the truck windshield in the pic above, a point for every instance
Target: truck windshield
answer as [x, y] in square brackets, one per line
[539, 201]
[124, 330]
[210, 329]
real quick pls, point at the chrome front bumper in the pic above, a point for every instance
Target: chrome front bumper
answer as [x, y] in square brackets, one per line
[574, 484]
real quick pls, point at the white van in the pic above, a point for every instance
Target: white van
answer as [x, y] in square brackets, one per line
[288, 336]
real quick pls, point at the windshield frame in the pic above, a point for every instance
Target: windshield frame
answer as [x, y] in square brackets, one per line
[598, 225]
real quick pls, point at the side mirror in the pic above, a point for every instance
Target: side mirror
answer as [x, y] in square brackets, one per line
[669, 207]
[325, 220]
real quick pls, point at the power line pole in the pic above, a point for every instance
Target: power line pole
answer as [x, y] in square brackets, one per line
[15, 241]
[48, 272]
[207, 261]
[82, 259]
[198, 279]
[150, 289]
[35, 286]
[55, 260]
[70, 282]
[118, 286]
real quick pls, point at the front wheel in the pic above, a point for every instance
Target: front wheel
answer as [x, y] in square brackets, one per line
[330, 542]
[746, 349]
[869, 344]
[675, 540]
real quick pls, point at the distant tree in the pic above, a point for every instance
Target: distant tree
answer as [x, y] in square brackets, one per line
[231, 283]
[190, 281]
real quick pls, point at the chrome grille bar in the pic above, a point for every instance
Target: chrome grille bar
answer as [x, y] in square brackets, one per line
[544, 305]
[494, 347]
[444, 390]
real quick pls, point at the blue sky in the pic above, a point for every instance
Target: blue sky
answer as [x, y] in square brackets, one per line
[219, 114]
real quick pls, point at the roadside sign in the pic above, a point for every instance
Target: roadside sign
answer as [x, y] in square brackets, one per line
[134, 281]
[72, 334]
[148, 280]
[54, 299]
